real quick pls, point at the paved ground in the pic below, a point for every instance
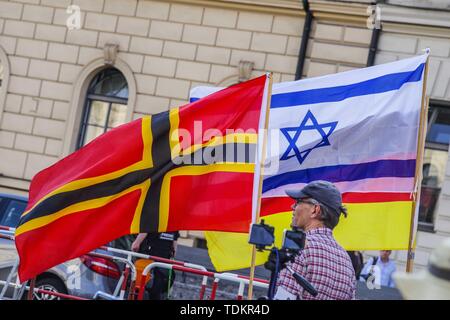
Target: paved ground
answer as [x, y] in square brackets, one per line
[188, 286]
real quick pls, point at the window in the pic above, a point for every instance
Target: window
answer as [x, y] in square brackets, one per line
[434, 163]
[106, 105]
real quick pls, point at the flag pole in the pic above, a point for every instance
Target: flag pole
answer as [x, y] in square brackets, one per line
[261, 163]
[418, 173]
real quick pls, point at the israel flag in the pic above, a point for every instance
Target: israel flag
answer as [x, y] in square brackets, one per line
[357, 129]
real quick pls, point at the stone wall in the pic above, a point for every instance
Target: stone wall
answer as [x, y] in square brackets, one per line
[336, 47]
[168, 47]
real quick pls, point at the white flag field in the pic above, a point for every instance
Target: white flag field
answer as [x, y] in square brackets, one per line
[357, 129]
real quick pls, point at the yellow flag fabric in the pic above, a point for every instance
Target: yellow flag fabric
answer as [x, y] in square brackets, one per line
[369, 226]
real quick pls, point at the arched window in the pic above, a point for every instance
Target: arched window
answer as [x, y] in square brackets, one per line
[106, 105]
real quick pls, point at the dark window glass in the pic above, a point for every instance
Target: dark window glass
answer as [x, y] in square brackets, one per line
[434, 164]
[439, 131]
[109, 83]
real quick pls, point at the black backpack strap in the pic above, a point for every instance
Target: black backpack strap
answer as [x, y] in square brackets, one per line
[375, 260]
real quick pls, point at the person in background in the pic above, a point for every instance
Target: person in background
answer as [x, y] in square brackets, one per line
[381, 268]
[123, 243]
[357, 262]
[161, 245]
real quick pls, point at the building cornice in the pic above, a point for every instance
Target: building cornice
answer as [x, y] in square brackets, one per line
[342, 12]
[412, 16]
[416, 30]
[286, 7]
[341, 8]
[355, 13]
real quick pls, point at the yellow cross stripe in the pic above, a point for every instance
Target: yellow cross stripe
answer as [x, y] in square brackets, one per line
[75, 208]
[135, 225]
[146, 162]
[193, 171]
[147, 137]
[174, 120]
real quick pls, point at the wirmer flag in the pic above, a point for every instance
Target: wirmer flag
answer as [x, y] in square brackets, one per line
[190, 168]
[357, 129]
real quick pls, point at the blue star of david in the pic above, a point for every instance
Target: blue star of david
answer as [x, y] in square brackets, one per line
[320, 128]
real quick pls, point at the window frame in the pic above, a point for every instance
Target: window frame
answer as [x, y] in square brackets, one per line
[90, 97]
[436, 106]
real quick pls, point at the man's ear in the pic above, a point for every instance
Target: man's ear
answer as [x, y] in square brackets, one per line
[317, 212]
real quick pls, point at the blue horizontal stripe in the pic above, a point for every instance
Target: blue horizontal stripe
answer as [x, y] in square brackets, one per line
[339, 173]
[381, 84]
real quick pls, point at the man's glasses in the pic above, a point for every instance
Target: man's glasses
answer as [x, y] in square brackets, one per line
[312, 201]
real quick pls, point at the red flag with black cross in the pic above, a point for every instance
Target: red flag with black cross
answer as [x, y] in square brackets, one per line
[190, 168]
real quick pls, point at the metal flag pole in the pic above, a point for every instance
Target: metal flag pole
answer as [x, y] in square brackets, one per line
[261, 163]
[419, 164]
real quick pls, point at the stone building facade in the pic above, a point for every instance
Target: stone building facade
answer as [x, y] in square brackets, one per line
[159, 50]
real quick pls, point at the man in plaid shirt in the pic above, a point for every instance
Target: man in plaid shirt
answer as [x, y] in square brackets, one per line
[323, 262]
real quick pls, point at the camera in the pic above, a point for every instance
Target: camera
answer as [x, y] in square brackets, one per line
[261, 235]
[293, 240]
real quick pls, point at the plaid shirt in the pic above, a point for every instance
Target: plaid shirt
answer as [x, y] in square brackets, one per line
[325, 264]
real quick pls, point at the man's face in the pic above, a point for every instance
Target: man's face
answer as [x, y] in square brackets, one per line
[384, 254]
[302, 211]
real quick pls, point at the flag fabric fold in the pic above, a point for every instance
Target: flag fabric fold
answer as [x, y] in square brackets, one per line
[357, 129]
[190, 168]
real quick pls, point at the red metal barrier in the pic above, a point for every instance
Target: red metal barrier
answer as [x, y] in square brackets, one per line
[203, 288]
[214, 289]
[124, 283]
[7, 228]
[32, 288]
[59, 295]
[6, 236]
[216, 276]
[165, 263]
